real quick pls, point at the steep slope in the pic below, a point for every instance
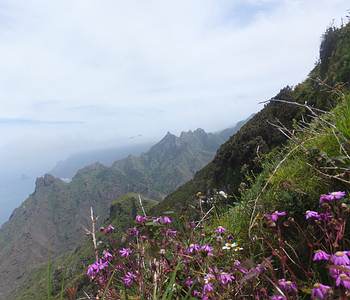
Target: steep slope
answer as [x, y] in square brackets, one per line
[242, 152]
[50, 221]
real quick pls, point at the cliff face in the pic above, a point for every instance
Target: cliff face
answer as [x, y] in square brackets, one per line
[51, 220]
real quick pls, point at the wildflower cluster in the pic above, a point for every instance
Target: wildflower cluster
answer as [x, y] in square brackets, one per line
[306, 259]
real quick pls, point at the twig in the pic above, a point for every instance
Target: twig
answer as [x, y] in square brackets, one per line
[143, 210]
[329, 176]
[340, 144]
[93, 231]
[309, 108]
[252, 218]
[201, 220]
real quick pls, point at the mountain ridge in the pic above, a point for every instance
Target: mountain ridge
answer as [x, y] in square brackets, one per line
[50, 221]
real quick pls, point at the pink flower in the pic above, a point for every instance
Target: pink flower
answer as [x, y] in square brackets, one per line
[321, 255]
[129, 279]
[278, 297]
[140, 219]
[332, 197]
[193, 248]
[107, 255]
[207, 249]
[275, 215]
[226, 278]
[343, 280]
[239, 267]
[125, 252]
[208, 288]
[133, 231]
[164, 220]
[340, 258]
[209, 277]
[196, 293]
[189, 282]
[220, 230]
[310, 214]
[108, 229]
[326, 216]
[287, 286]
[320, 291]
[96, 267]
[335, 271]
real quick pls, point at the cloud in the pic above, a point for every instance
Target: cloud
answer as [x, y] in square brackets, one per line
[124, 68]
[91, 74]
[31, 122]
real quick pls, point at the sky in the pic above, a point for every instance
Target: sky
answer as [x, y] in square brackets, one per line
[84, 74]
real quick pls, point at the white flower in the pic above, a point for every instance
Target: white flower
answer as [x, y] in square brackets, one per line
[223, 194]
[229, 246]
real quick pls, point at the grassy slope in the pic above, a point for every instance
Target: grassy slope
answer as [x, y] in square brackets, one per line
[293, 174]
[239, 154]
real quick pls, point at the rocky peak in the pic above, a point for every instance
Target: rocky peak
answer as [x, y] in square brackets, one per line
[45, 181]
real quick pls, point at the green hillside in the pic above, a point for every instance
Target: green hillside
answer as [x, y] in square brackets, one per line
[296, 148]
[241, 153]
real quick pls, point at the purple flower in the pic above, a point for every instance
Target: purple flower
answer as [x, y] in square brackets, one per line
[310, 214]
[207, 249]
[164, 220]
[96, 267]
[275, 215]
[278, 297]
[197, 293]
[340, 258]
[108, 229]
[125, 252]
[226, 278]
[189, 282]
[133, 231]
[343, 280]
[320, 291]
[326, 216]
[239, 267]
[332, 197]
[170, 233]
[209, 277]
[220, 230]
[335, 271]
[321, 255]
[208, 288]
[129, 279]
[287, 286]
[107, 255]
[140, 219]
[193, 248]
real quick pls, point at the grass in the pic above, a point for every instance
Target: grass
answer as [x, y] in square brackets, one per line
[296, 184]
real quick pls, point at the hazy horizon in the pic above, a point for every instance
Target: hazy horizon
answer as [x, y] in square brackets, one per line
[81, 75]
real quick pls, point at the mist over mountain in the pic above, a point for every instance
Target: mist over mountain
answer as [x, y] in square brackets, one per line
[53, 215]
[68, 167]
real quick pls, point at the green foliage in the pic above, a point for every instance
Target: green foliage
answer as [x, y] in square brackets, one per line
[293, 177]
[257, 137]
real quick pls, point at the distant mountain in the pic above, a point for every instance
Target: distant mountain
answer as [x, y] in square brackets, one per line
[50, 221]
[68, 167]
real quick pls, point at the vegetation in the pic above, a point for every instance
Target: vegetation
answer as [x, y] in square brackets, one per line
[261, 193]
[295, 241]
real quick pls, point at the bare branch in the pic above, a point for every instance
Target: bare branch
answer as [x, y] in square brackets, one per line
[143, 210]
[93, 231]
